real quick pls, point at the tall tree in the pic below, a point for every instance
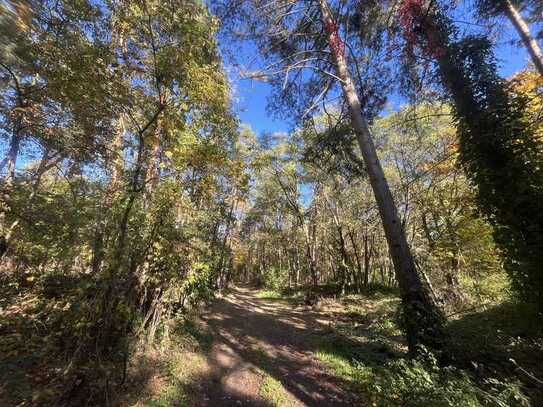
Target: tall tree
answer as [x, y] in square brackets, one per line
[302, 40]
[423, 320]
[511, 10]
[498, 147]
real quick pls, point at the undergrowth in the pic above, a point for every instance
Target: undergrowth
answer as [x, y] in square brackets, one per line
[365, 350]
[182, 356]
[388, 380]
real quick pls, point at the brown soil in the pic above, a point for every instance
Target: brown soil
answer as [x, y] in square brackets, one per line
[258, 337]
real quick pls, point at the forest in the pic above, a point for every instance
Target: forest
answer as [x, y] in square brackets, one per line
[162, 243]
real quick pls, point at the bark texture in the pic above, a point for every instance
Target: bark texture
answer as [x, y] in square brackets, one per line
[423, 321]
[524, 32]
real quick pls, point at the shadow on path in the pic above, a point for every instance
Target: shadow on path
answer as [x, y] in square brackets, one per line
[254, 335]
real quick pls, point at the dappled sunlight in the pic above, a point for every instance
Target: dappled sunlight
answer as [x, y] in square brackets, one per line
[255, 339]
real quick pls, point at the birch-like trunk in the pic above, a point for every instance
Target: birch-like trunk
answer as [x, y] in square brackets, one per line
[423, 321]
[524, 31]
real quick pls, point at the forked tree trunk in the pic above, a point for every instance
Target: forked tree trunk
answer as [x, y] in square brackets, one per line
[423, 321]
[524, 32]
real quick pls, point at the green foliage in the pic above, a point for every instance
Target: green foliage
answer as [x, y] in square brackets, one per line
[272, 391]
[375, 365]
[415, 382]
[501, 156]
[276, 279]
[133, 196]
[198, 283]
[269, 294]
[421, 382]
[115, 230]
[498, 147]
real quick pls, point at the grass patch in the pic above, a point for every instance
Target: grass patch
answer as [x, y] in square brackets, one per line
[285, 294]
[269, 294]
[171, 395]
[375, 374]
[364, 350]
[181, 368]
[272, 391]
[194, 335]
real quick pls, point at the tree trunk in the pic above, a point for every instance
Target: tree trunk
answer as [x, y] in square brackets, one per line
[115, 168]
[367, 257]
[345, 260]
[310, 254]
[7, 188]
[152, 175]
[221, 266]
[423, 321]
[358, 262]
[524, 31]
[297, 282]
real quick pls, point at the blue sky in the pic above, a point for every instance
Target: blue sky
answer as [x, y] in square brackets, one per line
[251, 95]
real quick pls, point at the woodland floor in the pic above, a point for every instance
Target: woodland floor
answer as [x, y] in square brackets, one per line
[260, 348]
[257, 348]
[262, 355]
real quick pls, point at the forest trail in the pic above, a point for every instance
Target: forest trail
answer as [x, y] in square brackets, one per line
[261, 355]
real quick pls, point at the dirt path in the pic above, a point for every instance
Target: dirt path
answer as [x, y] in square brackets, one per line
[259, 342]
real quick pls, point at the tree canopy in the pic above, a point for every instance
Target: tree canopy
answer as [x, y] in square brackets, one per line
[405, 198]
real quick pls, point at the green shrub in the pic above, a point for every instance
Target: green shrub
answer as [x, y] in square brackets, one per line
[421, 382]
[276, 279]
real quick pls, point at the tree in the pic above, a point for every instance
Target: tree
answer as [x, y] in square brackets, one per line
[423, 320]
[129, 174]
[507, 7]
[498, 148]
[292, 40]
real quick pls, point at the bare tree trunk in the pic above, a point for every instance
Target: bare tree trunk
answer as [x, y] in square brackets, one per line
[422, 318]
[7, 186]
[310, 254]
[221, 265]
[358, 262]
[367, 258]
[346, 264]
[297, 266]
[524, 32]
